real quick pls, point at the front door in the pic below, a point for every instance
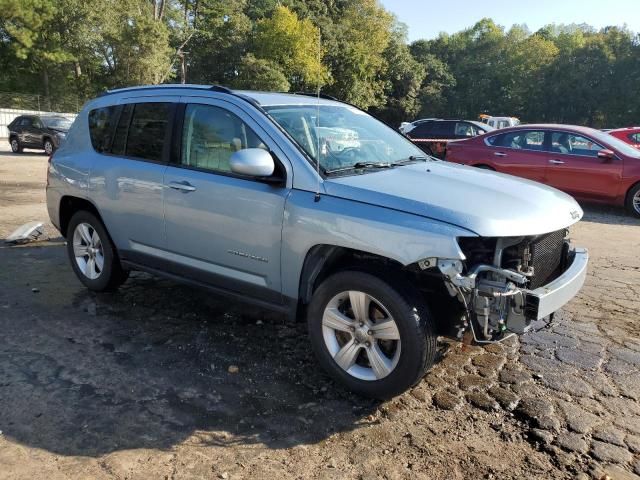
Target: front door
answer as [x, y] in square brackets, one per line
[574, 167]
[222, 229]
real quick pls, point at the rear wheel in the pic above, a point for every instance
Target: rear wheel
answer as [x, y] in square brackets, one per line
[369, 334]
[633, 200]
[15, 145]
[92, 255]
[48, 146]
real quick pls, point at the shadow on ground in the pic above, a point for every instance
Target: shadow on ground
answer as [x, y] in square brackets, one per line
[148, 366]
[608, 215]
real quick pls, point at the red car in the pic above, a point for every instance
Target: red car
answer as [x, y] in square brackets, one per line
[586, 163]
[630, 135]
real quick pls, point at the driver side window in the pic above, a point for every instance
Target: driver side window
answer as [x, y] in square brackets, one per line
[571, 144]
[210, 135]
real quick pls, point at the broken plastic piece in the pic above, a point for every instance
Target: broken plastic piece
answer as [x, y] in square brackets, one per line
[28, 232]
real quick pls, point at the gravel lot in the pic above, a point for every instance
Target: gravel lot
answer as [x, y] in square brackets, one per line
[136, 384]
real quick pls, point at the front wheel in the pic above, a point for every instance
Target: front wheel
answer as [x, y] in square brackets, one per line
[370, 335]
[92, 255]
[633, 200]
[15, 145]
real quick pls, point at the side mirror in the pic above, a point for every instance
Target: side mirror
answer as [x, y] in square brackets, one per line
[254, 162]
[606, 155]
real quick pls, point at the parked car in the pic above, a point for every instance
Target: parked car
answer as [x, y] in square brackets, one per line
[406, 127]
[37, 131]
[433, 136]
[630, 135]
[584, 162]
[376, 245]
[499, 122]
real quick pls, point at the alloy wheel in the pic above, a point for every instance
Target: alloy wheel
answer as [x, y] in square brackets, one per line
[361, 335]
[48, 147]
[88, 251]
[636, 202]
[14, 145]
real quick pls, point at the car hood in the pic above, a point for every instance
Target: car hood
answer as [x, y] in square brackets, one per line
[489, 204]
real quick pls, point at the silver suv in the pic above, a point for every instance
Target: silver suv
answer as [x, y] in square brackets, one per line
[313, 208]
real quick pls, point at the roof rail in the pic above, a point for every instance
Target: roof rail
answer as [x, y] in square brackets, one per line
[314, 94]
[214, 88]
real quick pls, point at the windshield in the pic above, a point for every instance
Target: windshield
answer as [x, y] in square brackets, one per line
[60, 123]
[616, 143]
[343, 137]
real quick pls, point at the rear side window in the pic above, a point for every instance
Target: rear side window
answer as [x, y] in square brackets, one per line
[147, 131]
[495, 140]
[524, 140]
[120, 137]
[443, 129]
[101, 125]
[421, 130]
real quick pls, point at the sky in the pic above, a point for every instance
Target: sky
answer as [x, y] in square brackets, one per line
[427, 18]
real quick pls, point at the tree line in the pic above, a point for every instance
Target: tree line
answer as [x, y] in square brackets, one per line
[354, 50]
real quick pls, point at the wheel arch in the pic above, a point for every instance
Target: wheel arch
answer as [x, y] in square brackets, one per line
[69, 205]
[323, 260]
[627, 195]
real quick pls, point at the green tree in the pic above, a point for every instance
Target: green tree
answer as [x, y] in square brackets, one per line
[292, 44]
[259, 74]
[362, 33]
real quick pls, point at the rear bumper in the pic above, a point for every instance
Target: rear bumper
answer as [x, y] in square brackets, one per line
[545, 300]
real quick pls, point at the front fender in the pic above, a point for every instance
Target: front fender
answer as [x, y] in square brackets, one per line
[400, 236]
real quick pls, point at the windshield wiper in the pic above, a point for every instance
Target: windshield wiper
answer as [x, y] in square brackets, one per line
[411, 159]
[359, 165]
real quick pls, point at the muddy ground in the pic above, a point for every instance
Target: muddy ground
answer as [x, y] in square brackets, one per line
[136, 384]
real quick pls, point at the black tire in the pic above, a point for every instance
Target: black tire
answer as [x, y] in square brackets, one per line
[15, 145]
[414, 324]
[112, 274]
[632, 207]
[48, 146]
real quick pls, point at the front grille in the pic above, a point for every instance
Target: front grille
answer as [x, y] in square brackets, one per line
[546, 257]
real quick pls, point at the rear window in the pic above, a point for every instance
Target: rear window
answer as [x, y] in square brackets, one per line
[101, 125]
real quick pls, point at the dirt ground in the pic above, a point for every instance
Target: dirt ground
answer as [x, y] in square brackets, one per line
[136, 384]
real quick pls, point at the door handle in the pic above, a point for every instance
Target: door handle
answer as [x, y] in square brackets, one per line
[556, 162]
[500, 154]
[182, 186]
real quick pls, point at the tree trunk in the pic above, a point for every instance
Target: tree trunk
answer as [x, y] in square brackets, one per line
[45, 81]
[183, 69]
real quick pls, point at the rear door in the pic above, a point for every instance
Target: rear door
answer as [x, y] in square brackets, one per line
[127, 178]
[223, 229]
[574, 167]
[520, 153]
[25, 134]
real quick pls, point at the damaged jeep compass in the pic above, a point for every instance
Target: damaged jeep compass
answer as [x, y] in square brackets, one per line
[313, 208]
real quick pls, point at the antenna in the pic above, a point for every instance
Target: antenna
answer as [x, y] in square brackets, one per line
[317, 197]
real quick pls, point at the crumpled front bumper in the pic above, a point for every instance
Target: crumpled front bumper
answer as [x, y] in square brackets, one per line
[545, 300]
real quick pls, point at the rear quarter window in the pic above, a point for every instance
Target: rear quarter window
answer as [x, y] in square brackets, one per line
[101, 125]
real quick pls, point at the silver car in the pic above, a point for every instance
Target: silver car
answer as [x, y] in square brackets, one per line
[376, 246]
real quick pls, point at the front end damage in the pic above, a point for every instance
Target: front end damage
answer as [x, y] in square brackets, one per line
[507, 283]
